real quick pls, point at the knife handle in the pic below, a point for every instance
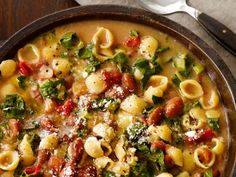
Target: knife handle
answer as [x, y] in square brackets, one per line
[220, 32]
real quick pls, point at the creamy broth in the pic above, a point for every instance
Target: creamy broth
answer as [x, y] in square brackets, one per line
[109, 98]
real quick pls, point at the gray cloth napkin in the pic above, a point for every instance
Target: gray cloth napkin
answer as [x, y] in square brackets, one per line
[222, 10]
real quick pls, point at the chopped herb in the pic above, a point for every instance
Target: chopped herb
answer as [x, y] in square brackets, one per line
[22, 81]
[105, 104]
[189, 106]
[69, 40]
[121, 60]
[214, 124]
[54, 89]
[208, 173]
[86, 53]
[34, 140]
[106, 173]
[158, 157]
[142, 169]
[162, 49]
[176, 80]
[157, 100]
[13, 106]
[135, 132]
[93, 65]
[134, 33]
[185, 73]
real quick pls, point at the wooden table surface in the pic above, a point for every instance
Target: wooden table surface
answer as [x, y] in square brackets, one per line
[14, 14]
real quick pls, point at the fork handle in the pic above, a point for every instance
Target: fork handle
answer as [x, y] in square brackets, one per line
[220, 32]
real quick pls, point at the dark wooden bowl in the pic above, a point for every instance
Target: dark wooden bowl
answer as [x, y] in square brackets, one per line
[216, 68]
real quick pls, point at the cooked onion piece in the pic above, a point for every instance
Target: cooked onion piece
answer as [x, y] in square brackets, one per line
[210, 103]
[204, 161]
[148, 47]
[191, 89]
[7, 68]
[29, 53]
[9, 160]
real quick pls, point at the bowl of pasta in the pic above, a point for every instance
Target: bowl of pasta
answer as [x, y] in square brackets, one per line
[114, 91]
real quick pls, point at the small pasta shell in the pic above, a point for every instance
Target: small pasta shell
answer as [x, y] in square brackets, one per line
[148, 47]
[201, 164]
[152, 133]
[93, 147]
[120, 168]
[191, 89]
[60, 66]
[29, 53]
[219, 146]
[103, 37]
[7, 68]
[133, 105]
[95, 84]
[158, 81]
[212, 114]
[7, 89]
[183, 174]
[124, 119]
[45, 72]
[192, 125]
[119, 149]
[189, 164]
[210, 103]
[9, 160]
[164, 132]
[176, 155]
[102, 162]
[49, 142]
[79, 88]
[165, 175]
[105, 131]
[152, 91]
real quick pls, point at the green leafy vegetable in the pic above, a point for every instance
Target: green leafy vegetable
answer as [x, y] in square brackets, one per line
[34, 125]
[144, 67]
[176, 81]
[214, 124]
[106, 173]
[105, 104]
[208, 173]
[148, 110]
[86, 52]
[54, 89]
[69, 40]
[162, 49]
[1, 133]
[93, 65]
[142, 169]
[157, 100]
[121, 60]
[134, 33]
[158, 157]
[189, 106]
[22, 81]
[13, 106]
[135, 132]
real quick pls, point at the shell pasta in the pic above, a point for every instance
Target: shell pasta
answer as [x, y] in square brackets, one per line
[109, 99]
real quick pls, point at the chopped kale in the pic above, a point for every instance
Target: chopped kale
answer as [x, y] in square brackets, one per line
[22, 81]
[13, 106]
[176, 81]
[86, 52]
[214, 124]
[121, 60]
[69, 40]
[134, 33]
[93, 65]
[142, 169]
[54, 89]
[148, 110]
[189, 106]
[135, 132]
[157, 100]
[1, 133]
[106, 173]
[158, 157]
[105, 104]
[34, 125]
[162, 49]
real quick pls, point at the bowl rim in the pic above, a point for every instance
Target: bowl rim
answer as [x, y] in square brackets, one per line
[137, 15]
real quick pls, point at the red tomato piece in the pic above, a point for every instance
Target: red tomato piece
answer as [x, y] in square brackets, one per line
[200, 136]
[111, 78]
[34, 170]
[25, 68]
[133, 42]
[66, 108]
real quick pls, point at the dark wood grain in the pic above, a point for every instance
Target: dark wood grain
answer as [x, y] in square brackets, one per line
[14, 14]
